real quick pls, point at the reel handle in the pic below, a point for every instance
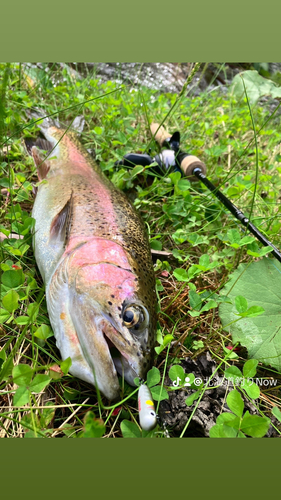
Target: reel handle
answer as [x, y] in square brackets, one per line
[187, 162]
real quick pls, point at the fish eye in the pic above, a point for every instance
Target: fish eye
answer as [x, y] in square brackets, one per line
[135, 317]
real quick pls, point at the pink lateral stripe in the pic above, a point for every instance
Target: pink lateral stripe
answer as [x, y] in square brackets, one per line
[121, 282]
[97, 250]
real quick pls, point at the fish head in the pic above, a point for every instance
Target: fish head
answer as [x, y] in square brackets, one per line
[114, 324]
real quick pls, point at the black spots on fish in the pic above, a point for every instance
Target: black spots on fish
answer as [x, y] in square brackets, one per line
[120, 316]
[109, 314]
[119, 308]
[110, 303]
[138, 354]
[112, 296]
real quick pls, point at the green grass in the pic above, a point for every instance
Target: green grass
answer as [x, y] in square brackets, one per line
[182, 218]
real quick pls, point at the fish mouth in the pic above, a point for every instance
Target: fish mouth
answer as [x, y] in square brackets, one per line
[121, 362]
[104, 349]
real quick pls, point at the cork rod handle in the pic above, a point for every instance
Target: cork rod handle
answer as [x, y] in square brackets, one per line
[159, 134]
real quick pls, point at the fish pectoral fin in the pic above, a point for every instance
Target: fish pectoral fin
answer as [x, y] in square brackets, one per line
[43, 166]
[60, 225]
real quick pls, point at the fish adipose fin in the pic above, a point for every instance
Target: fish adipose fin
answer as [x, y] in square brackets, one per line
[60, 225]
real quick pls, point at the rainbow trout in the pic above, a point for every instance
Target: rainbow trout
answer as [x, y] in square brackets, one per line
[93, 254]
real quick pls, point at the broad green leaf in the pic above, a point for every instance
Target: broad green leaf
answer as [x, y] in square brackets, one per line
[175, 176]
[93, 427]
[4, 315]
[180, 236]
[222, 431]
[22, 374]
[277, 413]
[241, 435]
[33, 310]
[255, 426]
[265, 250]
[7, 368]
[166, 340]
[156, 245]
[13, 278]
[233, 374]
[39, 383]
[250, 368]
[256, 86]
[35, 434]
[22, 320]
[183, 184]
[10, 301]
[246, 240]
[235, 402]
[233, 236]
[234, 423]
[253, 311]
[98, 130]
[194, 300]
[176, 373]
[159, 393]
[260, 284]
[130, 429]
[251, 389]
[43, 332]
[69, 431]
[148, 434]
[181, 274]
[21, 396]
[241, 304]
[190, 400]
[153, 377]
[211, 304]
[65, 365]
[225, 417]
[136, 170]
[70, 394]
[233, 355]
[204, 260]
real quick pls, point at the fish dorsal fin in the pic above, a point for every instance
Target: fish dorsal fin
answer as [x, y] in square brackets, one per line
[61, 223]
[43, 166]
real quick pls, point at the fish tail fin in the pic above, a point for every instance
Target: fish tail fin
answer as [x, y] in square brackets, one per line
[39, 143]
[43, 121]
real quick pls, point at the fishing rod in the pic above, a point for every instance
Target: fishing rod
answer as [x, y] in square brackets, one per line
[173, 159]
